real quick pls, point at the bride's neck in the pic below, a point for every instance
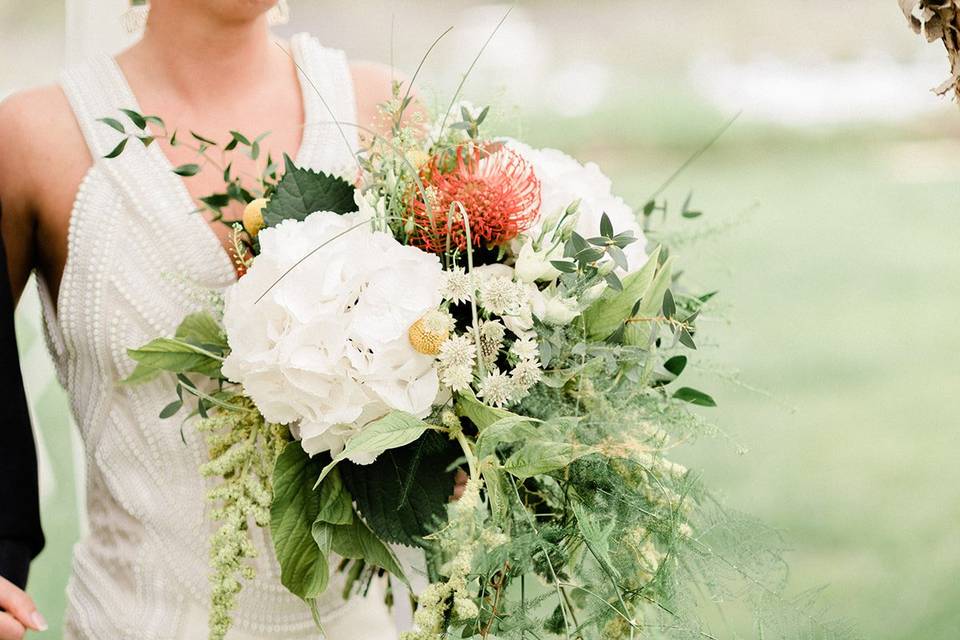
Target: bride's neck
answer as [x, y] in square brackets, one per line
[199, 54]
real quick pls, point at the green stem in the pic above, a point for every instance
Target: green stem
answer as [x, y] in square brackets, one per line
[468, 454]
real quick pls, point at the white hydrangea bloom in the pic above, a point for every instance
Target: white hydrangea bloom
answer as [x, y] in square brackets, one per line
[563, 181]
[326, 350]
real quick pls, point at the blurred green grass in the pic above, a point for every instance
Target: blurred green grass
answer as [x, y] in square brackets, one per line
[839, 298]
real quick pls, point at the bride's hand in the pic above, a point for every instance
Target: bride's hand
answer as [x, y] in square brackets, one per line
[18, 613]
[459, 484]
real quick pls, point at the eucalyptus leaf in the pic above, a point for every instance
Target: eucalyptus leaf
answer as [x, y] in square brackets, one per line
[676, 365]
[694, 396]
[117, 150]
[606, 226]
[187, 170]
[114, 123]
[171, 409]
[138, 120]
[669, 305]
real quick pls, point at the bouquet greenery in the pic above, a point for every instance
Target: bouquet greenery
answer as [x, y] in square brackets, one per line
[457, 302]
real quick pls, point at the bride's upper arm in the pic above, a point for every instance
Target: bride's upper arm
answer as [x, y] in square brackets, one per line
[42, 160]
[373, 85]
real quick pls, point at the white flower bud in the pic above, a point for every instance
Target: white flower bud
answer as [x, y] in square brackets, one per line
[593, 293]
[561, 310]
[533, 265]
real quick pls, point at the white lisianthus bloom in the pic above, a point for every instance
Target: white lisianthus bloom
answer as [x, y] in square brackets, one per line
[533, 265]
[563, 181]
[326, 350]
[559, 310]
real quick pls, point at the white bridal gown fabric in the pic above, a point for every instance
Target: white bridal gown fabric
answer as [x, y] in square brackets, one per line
[138, 256]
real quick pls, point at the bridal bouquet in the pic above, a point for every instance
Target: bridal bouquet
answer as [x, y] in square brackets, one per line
[455, 302]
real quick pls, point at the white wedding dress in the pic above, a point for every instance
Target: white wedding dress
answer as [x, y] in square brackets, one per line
[137, 254]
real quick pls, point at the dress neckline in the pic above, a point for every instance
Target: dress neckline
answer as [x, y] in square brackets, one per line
[164, 168]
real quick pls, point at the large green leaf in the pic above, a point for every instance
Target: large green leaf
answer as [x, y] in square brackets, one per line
[609, 312]
[496, 485]
[539, 457]
[479, 413]
[358, 542]
[638, 333]
[202, 329]
[304, 568]
[336, 506]
[302, 191]
[394, 430]
[504, 431]
[403, 495]
[176, 356]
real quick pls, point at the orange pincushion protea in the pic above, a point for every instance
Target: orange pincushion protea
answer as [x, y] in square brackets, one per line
[497, 188]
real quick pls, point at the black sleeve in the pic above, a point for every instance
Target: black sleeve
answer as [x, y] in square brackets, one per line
[21, 537]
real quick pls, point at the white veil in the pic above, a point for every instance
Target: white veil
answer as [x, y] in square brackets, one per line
[94, 27]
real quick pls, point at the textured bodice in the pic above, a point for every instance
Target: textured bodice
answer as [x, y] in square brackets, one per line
[139, 260]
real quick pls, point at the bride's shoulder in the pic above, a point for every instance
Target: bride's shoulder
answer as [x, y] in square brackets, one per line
[373, 85]
[38, 131]
[42, 155]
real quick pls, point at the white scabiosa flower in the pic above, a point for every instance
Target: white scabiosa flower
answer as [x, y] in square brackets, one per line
[458, 351]
[501, 296]
[459, 286]
[526, 374]
[563, 181]
[526, 349]
[497, 389]
[492, 333]
[457, 378]
[326, 349]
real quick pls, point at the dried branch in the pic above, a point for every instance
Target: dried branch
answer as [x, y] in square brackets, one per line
[939, 20]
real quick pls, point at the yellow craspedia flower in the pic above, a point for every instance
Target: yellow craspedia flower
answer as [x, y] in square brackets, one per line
[429, 332]
[418, 157]
[253, 216]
